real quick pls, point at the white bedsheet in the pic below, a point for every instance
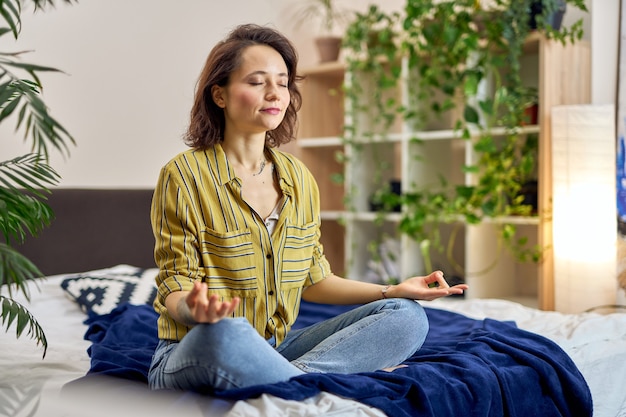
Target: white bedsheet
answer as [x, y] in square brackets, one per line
[28, 383]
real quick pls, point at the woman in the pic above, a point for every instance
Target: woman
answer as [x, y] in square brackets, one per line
[237, 229]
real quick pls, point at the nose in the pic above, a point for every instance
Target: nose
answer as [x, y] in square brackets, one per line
[271, 93]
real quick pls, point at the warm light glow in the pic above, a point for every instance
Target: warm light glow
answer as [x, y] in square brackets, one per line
[584, 222]
[584, 207]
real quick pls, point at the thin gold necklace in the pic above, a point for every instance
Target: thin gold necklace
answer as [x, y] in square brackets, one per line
[263, 162]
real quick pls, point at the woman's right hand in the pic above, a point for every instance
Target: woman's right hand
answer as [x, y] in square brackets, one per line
[205, 309]
[195, 306]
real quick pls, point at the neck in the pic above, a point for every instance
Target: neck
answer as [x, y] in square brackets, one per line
[246, 161]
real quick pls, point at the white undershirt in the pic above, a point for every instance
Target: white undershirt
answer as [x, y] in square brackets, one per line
[272, 219]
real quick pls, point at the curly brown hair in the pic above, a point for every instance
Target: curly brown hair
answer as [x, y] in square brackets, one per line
[206, 127]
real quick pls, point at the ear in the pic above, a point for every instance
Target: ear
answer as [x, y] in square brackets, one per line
[217, 94]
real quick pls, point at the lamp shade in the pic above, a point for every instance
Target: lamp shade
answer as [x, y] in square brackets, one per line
[584, 201]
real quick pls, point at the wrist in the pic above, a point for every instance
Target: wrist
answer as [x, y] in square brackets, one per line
[384, 291]
[184, 313]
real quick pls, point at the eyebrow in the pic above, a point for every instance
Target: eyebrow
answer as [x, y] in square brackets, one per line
[282, 74]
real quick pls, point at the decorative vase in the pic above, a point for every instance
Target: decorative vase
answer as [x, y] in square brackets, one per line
[328, 48]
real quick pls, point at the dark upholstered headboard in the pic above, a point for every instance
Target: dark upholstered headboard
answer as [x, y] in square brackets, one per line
[94, 229]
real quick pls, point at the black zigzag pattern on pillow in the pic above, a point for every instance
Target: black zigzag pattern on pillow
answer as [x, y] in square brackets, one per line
[103, 290]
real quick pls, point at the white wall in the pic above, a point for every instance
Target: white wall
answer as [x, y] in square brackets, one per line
[131, 68]
[604, 28]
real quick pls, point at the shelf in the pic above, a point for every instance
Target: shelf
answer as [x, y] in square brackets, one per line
[424, 135]
[320, 142]
[368, 216]
[371, 216]
[332, 215]
[336, 68]
[519, 220]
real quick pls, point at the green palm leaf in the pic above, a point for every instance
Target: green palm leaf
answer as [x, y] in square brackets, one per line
[11, 10]
[12, 311]
[29, 172]
[41, 4]
[15, 272]
[24, 183]
[22, 215]
[33, 115]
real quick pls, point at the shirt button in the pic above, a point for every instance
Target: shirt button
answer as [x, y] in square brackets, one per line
[271, 293]
[268, 256]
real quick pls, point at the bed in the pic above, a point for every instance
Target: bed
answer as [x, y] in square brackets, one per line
[482, 357]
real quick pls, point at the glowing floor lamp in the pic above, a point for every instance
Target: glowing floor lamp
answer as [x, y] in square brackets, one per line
[584, 213]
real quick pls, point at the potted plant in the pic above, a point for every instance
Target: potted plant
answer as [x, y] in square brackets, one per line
[24, 180]
[330, 18]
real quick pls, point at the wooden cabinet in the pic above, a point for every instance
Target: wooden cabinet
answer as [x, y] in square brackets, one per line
[562, 76]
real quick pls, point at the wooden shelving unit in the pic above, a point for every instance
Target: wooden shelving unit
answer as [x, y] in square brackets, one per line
[560, 73]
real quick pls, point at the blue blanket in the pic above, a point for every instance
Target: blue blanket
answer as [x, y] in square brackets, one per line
[466, 367]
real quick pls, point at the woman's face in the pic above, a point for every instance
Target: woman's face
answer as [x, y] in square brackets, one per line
[257, 94]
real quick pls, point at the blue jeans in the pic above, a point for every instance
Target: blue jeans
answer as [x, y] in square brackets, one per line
[231, 354]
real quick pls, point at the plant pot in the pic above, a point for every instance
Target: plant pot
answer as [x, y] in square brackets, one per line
[529, 191]
[395, 187]
[531, 115]
[328, 48]
[554, 20]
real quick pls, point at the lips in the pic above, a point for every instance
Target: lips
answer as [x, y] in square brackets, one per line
[271, 110]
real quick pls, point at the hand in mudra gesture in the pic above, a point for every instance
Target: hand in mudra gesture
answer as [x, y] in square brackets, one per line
[207, 309]
[421, 288]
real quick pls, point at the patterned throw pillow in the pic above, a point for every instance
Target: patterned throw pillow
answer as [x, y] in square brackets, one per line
[102, 290]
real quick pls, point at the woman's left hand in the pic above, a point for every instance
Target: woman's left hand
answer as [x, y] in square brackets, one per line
[419, 288]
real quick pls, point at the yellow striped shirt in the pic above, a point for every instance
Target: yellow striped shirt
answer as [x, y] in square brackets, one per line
[205, 231]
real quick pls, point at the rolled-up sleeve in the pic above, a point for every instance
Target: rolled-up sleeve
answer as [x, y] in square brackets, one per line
[176, 246]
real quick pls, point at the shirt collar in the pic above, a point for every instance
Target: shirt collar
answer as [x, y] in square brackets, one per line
[220, 167]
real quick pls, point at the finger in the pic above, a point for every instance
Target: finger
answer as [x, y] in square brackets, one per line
[458, 289]
[233, 305]
[227, 308]
[433, 294]
[455, 290]
[437, 277]
[221, 309]
[197, 288]
[439, 292]
[194, 298]
[192, 294]
[213, 302]
[202, 296]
